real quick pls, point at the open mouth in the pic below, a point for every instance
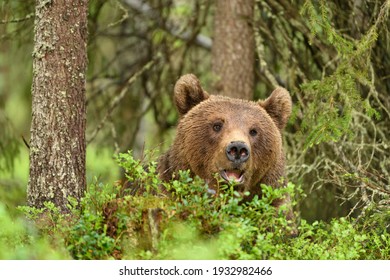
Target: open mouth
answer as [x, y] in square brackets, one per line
[234, 175]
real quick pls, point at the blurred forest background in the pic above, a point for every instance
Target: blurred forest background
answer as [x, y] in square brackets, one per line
[333, 57]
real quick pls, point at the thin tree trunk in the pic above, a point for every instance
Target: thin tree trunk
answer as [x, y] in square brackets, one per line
[57, 145]
[233, 49]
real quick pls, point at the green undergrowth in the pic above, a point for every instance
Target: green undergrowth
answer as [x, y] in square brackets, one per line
[181, 219]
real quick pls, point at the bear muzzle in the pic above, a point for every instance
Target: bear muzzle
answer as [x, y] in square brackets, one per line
[237, 153]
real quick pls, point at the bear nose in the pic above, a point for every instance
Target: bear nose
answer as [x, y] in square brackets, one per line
[237, 152]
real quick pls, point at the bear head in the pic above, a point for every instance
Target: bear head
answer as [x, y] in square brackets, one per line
[225, 138]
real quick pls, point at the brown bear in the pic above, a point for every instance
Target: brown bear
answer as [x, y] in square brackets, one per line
[237, 139]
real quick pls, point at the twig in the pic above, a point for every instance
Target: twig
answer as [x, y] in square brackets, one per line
[124, 16]
[145, 9]
[25, 142]
[17, 20]
[115, 137]
[260, 52]
[121, 95]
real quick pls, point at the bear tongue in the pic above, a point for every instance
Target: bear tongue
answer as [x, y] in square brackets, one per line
[233, 175]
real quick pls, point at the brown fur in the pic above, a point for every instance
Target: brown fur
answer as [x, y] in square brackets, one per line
[198, 147]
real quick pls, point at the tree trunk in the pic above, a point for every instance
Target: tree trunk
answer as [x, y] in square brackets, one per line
[233, 49]
[57, 145]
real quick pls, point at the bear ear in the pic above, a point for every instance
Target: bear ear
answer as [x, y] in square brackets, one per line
[188, 93]
[278, 105]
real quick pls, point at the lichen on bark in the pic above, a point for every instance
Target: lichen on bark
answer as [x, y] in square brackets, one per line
[57, 153]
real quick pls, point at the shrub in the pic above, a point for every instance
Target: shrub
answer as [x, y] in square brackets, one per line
[19, 239]
[150, 219]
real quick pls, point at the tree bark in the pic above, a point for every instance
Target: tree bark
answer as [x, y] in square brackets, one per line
[233, 49]
[57, 145]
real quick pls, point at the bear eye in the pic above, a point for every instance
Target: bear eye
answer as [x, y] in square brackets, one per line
[253, 132]
[217, 127]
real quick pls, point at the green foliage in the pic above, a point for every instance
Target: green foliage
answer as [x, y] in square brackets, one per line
[186, 221]
[336, 95]
[82, 231]
[20, 239]
[87, 236]
[191, 223]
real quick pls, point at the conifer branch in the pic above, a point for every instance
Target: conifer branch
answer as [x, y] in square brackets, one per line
[18, 20]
